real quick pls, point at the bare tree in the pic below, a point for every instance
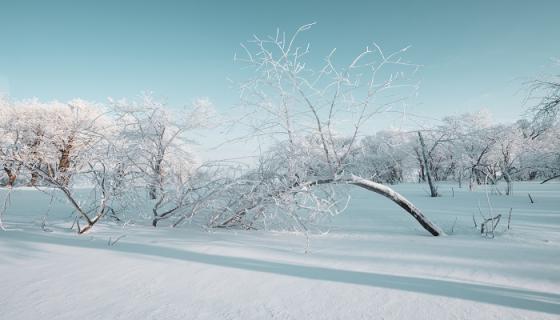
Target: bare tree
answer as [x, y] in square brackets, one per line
[91, 160]
[315, 118]
[546, 110]
[159, 152]
[384, 157]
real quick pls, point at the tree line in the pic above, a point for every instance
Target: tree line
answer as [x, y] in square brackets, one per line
[138, 156]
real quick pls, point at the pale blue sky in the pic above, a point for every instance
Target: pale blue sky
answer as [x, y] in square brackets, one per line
[476, 54]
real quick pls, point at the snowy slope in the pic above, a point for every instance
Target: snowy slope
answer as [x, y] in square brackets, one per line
[374, 263]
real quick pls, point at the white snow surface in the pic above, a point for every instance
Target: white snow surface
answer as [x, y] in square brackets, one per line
[375, 262]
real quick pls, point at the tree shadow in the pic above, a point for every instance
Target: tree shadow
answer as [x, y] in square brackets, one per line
[503, 296]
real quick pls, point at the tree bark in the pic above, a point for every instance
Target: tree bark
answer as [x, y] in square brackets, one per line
[11, 177]
[65, 162]
[155, 186]
[36, 158]
[433, 189]
[34, 179]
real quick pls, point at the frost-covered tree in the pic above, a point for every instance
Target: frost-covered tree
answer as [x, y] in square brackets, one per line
[56, 144]
[114, 152]
[385, 157]
[9, 140]
[509, 147]
[157, 150]
[48, 136]
[541, 156]
[545, 97]
[313, 117]
[474, 140]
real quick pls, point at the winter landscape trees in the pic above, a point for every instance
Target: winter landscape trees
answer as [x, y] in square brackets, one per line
[226, 160]
[315, 117]
[310, 120]
[544, 94]
[121, 152]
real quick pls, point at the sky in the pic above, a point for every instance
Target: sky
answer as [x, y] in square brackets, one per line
[475, 54]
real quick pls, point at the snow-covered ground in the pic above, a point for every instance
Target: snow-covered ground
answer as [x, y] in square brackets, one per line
[374, 263]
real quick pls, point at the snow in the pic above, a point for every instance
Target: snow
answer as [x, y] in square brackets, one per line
[374, 262]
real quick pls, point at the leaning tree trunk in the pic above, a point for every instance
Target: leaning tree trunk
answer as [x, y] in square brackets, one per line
[427, 171]
[551, 178]
[11, 177]
[360, 182]
[399, 200]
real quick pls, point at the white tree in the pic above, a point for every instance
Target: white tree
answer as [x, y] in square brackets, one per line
[541, 155]
[544, 94]
[509, 148]
[475, 139]
[117, 151]
[9, 140]
[316, 118]
[56, 143]
[546, 109]
[384, 157]
[158, 150]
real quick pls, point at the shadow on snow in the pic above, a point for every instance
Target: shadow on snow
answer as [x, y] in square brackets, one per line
[509, 297]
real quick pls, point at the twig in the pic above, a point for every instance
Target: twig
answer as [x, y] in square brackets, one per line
[494, 223]
[453, 226]
[111, 242]
[44, 225]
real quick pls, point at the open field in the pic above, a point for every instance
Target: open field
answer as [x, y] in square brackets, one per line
[374, 262]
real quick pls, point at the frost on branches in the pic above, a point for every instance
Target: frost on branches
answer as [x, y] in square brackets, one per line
[313, 117]
[136, 159]
[118, 153]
